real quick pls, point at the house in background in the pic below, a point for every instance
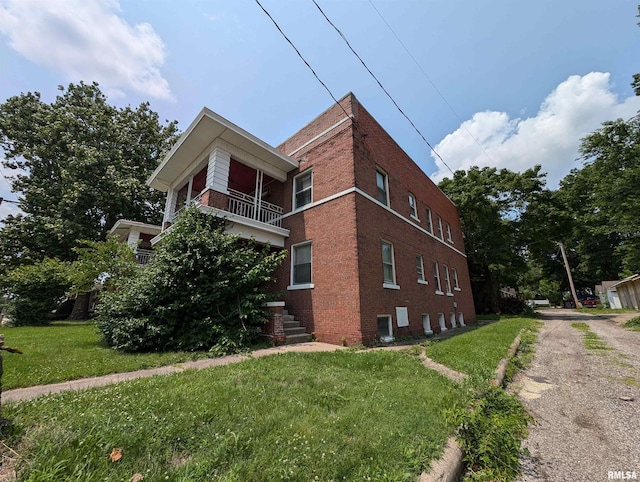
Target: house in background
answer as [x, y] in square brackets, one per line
[137, 235]
[625, 293]
[375, 248]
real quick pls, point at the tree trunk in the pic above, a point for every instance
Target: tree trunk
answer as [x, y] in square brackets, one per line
[80, 307]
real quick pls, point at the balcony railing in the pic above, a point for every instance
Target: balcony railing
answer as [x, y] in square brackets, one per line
[246, 206]
[243, 205]
[143, 256]
[194, 202]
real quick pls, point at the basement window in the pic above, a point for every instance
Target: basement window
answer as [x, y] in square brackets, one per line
[385, 328]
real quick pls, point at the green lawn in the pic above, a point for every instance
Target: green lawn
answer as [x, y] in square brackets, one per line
[480, 350]
[70, 350]
[336, 416]
[369, 415]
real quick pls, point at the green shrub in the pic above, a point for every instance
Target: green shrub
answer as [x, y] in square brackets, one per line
[490, 433]
[35, 290]
[204, 288]
[633, 322]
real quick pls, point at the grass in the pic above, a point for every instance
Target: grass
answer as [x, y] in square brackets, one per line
[602, 310]
[70, 350]
[479, 351]
[375, 415]
[591, 340]
[633, 323]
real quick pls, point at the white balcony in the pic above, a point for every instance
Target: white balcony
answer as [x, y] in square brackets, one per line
[250, 207]
[143, 256]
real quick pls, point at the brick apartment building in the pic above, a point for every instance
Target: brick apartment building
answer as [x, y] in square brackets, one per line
[375, 248]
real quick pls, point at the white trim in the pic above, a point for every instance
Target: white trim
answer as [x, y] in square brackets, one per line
[293, 285]
[449, 294]
[379, 170]
[293, 190]
[391, 286]
[274, 303]
[393, 264]
[300, 287]
[389, 338]
[427, 331]
[326, 131]
[368, 197]
[321, 201]
[457, 289]
[413, 207]
[423, 282]
[442, 322]
[439, 292]
[364, 194]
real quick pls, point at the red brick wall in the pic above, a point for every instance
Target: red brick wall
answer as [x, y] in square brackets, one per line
[376, 149]
[346, 233]
[331, 309]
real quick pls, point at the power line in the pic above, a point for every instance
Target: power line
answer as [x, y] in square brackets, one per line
[381, 86]
[432, 83]
[301, 57]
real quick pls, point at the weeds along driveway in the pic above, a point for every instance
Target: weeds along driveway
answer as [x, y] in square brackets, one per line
[583, 390]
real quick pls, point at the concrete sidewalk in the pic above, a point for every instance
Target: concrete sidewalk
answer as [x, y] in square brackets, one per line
[20, 394]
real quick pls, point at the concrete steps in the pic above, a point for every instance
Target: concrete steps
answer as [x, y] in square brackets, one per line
[294, 333]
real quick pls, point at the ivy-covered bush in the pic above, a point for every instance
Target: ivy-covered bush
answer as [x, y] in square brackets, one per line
[204, 288]
[35, 290]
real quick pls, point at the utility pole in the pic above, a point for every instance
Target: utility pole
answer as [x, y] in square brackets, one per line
[566, 265]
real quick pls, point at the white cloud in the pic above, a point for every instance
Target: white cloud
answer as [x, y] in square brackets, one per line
[551, 138]
[87, 40]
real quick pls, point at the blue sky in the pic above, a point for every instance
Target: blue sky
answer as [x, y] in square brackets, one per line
[524, 80]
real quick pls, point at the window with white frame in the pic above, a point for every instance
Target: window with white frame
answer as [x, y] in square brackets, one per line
[448, 231]
[420, 269]
[429, 221]
[302, 189]
[413, 209]
[447, 280]
[456, 285]
[382, 185]
[426, 324]
[385, 328]
[388, 268]
[436, 277]
[301, 264]
[440, 235]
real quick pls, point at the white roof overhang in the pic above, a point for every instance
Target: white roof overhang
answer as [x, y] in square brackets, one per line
[203, 131]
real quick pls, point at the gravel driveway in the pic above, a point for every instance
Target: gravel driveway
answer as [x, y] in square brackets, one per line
[585, 402]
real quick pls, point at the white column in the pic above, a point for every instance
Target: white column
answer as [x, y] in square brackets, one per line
[134, 237]
[218, 170]
[169, 207]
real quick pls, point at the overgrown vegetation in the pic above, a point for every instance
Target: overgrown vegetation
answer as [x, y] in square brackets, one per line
[204, 288]
[633, 323]
[490, 433]
[376, 415]
[35, 290]
[523, 356]
[591, 340]
[493, 426]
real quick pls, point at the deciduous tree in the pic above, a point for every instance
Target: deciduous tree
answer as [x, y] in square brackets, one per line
[82, 165]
